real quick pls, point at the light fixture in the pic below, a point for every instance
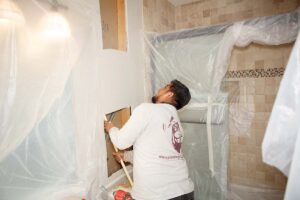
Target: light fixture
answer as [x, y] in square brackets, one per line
[10, 12]
[54, 25]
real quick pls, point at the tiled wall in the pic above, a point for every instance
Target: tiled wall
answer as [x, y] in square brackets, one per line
[208, 12]
[257, 91]
[263, 68]
[159, 16]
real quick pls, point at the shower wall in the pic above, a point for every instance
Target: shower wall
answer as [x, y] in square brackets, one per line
[246, 166]
[257, 71]
[159, 16]
[208, 12]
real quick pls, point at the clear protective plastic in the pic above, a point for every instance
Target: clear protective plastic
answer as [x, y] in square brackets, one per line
[208, 184]
[49, 100]
[199, 58]
[283, 127]
[49, 96]
[281, 144]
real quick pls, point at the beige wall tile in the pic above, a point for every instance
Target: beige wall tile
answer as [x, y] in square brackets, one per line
[228, 10]
[159, 16]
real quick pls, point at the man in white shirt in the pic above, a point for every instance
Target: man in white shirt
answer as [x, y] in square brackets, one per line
[159, 169]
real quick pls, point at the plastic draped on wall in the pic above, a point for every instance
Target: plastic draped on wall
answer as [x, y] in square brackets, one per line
[199, 58]
[281, 144]
[209, 183]
[49, 102]
[283, 128]
[195, 149]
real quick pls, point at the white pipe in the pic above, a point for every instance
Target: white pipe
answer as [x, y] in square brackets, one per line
[209, 137]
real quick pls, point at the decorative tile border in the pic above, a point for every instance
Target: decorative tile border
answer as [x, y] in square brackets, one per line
[256, 73]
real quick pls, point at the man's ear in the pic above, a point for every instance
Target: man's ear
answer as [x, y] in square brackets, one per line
[170, 94]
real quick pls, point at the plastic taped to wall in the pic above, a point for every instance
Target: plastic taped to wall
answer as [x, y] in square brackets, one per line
[199, 58]
[195, 150]
[49, 100]
[197, 113]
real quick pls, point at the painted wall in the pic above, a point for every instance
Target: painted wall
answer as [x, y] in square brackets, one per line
[122, 73]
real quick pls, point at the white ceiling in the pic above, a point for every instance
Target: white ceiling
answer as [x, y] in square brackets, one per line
[181, 2]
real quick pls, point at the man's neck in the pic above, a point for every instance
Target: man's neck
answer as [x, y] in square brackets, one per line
[166, 103]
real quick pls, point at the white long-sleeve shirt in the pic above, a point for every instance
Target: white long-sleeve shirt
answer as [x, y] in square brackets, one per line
[128, 156]
[159, 169]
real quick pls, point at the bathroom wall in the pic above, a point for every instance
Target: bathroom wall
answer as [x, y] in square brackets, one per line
[159, 16]
[122, 72]
[76, 122]
[246, 166]
[208, 12]
[120, 118]
[257, 90]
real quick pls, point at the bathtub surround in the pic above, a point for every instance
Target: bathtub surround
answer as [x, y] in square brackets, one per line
[256, 69]
[162, 16]
[255, 73]
[258, 91]
[211, 12]
[159, 16]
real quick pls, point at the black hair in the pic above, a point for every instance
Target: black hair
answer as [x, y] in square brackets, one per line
[182, 94]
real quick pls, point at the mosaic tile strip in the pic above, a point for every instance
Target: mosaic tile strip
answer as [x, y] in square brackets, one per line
[256, 73]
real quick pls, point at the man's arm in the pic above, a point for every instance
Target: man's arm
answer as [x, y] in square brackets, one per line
[126, 136]
[126, 156]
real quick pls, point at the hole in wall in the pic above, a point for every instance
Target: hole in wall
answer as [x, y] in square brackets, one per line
[118, 118]
[113, 19]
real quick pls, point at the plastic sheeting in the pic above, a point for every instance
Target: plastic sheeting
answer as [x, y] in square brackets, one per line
[49, 96]
[292, 190]
[199, 58]
[195, 150]
[116, 181]
[281, 144]
[283, 128]
[49, 102]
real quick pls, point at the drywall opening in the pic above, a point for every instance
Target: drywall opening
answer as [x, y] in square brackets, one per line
[118, 118]
[113, 19]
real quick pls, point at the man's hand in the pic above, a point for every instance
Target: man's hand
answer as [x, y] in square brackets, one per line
[108, 126]
[119, 156]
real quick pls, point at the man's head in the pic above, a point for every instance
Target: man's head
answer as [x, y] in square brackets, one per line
[174, 93]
